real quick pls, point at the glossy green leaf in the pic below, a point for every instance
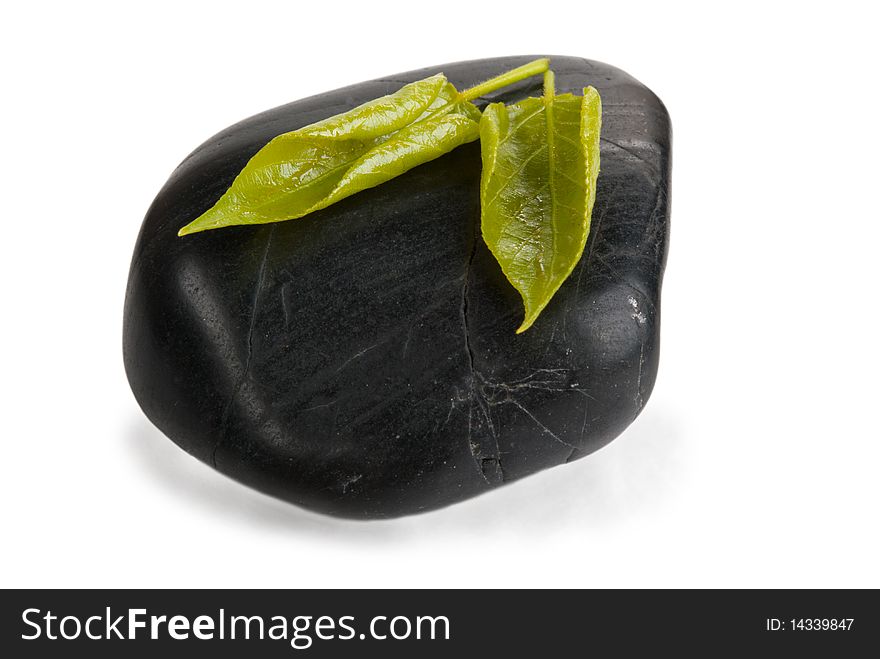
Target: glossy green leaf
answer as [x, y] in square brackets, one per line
[308, 169]
[540, 164]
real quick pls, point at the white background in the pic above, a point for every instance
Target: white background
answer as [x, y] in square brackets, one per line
[756, 461]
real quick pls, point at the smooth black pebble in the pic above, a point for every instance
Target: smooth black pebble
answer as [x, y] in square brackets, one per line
[362, 361]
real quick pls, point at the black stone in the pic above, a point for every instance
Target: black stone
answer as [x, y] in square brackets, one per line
[362, 361]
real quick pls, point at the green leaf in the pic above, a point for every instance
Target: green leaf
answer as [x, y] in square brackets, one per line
[308, 169]
[540, 164]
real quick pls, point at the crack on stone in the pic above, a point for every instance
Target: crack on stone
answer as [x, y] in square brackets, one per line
[552, 336]
[285, 305]
[484, 464]
[475, 393]
[635, 154]
[640, 401]
[596, 224]
[590, 64]
[409, 332]
[543, 428]
[463, 310]
[453, 403]
[475, 449]
[640, 318]
[348, 482]
[261, 277]
[358, 355]
[552, 380]
[655, 229]
[487, 463]
[318, 407]
[490, 394]
[587, 399]
[483, 394]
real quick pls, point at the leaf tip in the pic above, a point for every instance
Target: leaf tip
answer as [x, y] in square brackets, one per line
[533, 309]
[188, 229]
[592, 99]
[527, 323]
[203, 222]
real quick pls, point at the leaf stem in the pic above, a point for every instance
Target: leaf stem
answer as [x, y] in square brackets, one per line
[549, 86]
[514, 75]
